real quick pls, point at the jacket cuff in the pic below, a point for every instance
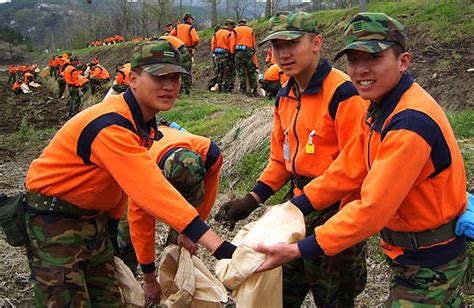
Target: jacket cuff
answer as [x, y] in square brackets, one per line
[148, 268]
[303, 204]
[196, 228]
[309, 248]
[263, 191]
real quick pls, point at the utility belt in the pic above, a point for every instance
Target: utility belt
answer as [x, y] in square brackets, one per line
[415, 240]
[39, 203]
[301, 181]
[221, 51]
[183, 48]
[250, 50]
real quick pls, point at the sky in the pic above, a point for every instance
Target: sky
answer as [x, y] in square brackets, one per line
[3, 1]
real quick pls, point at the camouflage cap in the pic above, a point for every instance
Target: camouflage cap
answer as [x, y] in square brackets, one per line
[242, 21]
[290, 27]
[229, 22]
[188, 15]
[185, 170]
[158, 59]
[372, 33]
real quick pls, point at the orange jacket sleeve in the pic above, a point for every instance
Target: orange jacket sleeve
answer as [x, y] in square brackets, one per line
[142, 233]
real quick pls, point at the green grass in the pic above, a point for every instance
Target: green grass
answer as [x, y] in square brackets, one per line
[27, 138]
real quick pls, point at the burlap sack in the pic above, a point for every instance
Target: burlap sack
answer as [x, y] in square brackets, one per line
[186, 282]
[281, 223]
[132, 292]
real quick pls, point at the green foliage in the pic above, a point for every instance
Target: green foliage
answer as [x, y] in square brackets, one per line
[11, 36]
[27, 138]
[462, 123]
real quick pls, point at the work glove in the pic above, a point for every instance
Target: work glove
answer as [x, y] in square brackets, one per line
[225, 251]
[236, 209]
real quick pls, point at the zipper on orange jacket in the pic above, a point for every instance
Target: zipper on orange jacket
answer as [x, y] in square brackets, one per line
[298, 106]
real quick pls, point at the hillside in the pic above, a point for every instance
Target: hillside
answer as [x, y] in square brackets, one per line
[440, 38]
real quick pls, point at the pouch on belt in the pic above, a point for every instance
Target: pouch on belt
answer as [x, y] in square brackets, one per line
[12, 219]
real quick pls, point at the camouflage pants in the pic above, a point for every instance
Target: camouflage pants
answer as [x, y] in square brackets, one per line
[62, 85]
[73, 101]
[334, 281]
[416, 286]
[224, 73]
[271, 87]
[186, 81]
[95, 83]
[71, 262]
[246, 69]
[119, 88]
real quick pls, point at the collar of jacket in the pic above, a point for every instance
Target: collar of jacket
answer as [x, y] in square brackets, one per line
[390, 100]
[144, 129]
[315, 84]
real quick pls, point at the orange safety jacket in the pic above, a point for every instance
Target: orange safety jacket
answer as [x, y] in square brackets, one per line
[187, 33]
[173, 40]
[223, 39]
[28, 77]
[100, 72]
[71, 75]
[410, 172]
[12, 69]
[16, 85]
[123, 75]
[81, 80]
[275, 74]
[310, 130]
[142, 225]
[101, 156]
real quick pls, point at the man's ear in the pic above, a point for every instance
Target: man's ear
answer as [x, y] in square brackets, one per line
[404, 61]
[317, 42]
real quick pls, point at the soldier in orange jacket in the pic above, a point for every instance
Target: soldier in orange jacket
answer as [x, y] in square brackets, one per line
[186, 61]
[269, 58]
[77, 188]
[186, 32]
[273, 80]
[16, 86]
[408, 166]
[192, 165]
[246, 58]
[71, 75]
[122, 83]
[315, 117]
[98, 76]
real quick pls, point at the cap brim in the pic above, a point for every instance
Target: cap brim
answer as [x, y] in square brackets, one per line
[283, 35]
[365, 46]
[160, 69]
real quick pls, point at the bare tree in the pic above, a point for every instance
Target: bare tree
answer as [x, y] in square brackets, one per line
[239, 7]
[268, 8]
[214, 20]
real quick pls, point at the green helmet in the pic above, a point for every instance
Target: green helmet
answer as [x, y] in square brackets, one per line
[185, 170]
[188, 15]
[372, 33]
[290, 27]
[158, 58]
[229, 22]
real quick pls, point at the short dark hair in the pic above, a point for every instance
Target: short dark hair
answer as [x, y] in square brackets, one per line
[138, 70]
[398, 50]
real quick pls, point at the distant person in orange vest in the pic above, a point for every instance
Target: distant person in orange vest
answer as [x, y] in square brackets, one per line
[246, 58]
[168, 29]
[269, 59]
[98, 76]
[28, 77]
[273, 80]
[223, 48]
[187, 32]
[71, 77]
[12, 73]
[121, 79]
[16, 86]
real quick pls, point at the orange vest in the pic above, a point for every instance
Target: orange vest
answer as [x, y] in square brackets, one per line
[100, 72]
[244, 36]
[12, 69]
[142, 225]
[27, 77]
[122, 76]
[223, 39]
[274, 73]
[187, 33]
[173, 40]
[70, 75]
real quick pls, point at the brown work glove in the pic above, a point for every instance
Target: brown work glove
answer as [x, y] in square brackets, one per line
[236, 209]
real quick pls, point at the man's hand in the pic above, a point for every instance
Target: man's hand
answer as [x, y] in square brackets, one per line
[152, 288]
[185, 242]
[236, 209]
[277, 255]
